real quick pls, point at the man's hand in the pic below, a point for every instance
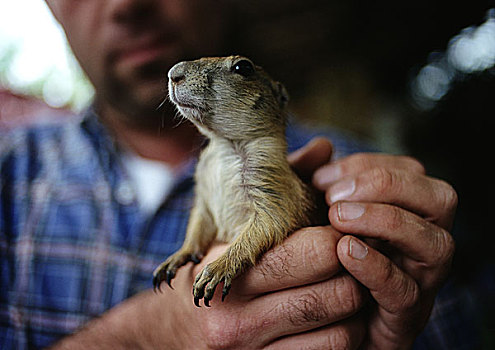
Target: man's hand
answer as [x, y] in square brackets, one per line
[404, 250]
[295, 297]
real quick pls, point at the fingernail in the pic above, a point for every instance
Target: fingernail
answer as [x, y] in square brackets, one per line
[349, 211]
[323, 177]
[342, 190]
[357, 250]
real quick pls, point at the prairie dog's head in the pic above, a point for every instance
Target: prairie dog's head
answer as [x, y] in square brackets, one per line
[228, 97]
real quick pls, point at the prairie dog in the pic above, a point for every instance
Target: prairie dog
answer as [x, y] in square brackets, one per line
[246, 192]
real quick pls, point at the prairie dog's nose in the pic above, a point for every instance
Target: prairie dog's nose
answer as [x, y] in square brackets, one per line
[176, 74]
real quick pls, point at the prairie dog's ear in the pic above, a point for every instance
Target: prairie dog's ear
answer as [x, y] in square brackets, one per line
[281, 94]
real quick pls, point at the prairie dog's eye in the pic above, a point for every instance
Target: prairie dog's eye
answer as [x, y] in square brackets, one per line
[244, 68]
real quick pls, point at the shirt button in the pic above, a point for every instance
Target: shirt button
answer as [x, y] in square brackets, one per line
[125, 194]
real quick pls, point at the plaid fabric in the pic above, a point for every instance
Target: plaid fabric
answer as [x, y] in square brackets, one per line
[73, 242]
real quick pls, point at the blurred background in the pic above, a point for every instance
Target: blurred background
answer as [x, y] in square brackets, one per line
[413, 77]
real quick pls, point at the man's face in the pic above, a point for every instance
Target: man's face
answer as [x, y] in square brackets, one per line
[127, 46]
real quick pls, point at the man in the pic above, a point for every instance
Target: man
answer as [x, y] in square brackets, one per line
[81, 232]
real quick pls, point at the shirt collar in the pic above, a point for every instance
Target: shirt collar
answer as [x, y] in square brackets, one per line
[110, 152]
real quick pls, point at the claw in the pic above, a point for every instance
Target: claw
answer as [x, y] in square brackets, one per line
[157, 281]
[170, 275]
[196, 258]
[208, 279]
[163, 274]
[167, 270]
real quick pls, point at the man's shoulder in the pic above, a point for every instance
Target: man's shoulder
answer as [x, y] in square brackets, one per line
[45, 147]
[35, 135]
[59, 153]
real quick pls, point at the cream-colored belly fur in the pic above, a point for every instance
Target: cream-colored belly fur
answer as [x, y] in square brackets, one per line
[220, 183]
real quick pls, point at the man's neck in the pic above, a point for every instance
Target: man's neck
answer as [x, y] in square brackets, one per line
[169, 143]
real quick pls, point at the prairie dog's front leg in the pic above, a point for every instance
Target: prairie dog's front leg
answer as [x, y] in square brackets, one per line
[201, 232]
[257, 237]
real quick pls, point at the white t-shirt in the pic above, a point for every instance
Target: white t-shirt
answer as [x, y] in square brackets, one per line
[151, 180]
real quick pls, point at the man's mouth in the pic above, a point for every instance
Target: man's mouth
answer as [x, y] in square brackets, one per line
[145, 51]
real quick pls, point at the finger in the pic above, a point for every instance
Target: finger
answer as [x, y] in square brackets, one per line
[429, 246]
[313, 155]
[306, 256]
[306, 308]
[347, 334]
[360, 162]
[394, 290]
[430, 198]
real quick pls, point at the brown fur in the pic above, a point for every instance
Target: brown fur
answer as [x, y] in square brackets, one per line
[246, 192]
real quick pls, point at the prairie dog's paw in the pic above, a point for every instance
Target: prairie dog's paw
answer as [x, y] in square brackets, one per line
[166, 270]
[208, 279]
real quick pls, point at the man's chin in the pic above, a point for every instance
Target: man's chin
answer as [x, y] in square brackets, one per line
[139, 95]
[137, 106]
[149, 96]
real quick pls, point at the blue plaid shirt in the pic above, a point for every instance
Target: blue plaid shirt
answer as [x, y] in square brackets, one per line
[74, 243]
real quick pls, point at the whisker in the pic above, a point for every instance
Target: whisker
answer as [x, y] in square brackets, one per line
[178, 117]
[162, 103]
